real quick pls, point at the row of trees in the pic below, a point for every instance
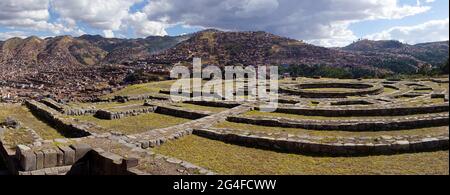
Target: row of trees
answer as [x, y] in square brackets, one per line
[329, 71]
[433, 71]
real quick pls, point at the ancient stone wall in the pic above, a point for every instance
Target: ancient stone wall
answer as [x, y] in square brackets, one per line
[348, 125]
[359, 90]
[344, 112]
[316, 147]
[109, 115]
[182, 113]
[220, 104]
[66, 128]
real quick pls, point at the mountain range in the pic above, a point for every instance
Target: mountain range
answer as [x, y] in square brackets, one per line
[219, 48]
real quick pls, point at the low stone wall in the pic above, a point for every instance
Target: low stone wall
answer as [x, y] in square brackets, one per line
[32, 160]
[53, 104]
[391, 87]
[351, 147]
[182, 113]
[222, 104]
[68, 129]
[99, 162]
[79, 112]
[141, 97]
[360, 90]
[67, 110]
[108, 115]
[344, 112]
[348, 125]
[351, 102]
[78, 159]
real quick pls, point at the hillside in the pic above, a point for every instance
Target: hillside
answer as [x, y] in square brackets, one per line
[260, 48]
[220, 48]
[434, 53]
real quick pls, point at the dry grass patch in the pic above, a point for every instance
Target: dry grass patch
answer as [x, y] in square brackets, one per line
[27, 119]
[256, 113]
[226, 158]
[199, 108]
[363, 133]
[135, 124]
[14, 137]
[146, 88]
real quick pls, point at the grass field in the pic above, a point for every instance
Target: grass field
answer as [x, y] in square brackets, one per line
[136, 124]
[256, 113]
[107, 105]
[199, 108]
[231, 159]
[363, 133]
[146, 88]
[14, 137]
[27, 119]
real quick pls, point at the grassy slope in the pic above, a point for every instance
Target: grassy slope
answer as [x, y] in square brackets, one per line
[231, 159]
[256, 128]
[22, 114]
[136, 124]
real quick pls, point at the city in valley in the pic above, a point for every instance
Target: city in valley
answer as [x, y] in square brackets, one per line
[76, 103]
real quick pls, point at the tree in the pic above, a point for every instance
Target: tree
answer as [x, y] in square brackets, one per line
[444, 67]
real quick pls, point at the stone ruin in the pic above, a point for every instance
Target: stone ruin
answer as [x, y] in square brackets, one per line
[394, 110]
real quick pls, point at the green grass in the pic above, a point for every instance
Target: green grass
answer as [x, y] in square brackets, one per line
[139, 89]
[199, 108]
[27, 119]
[108, 105]
[388, 90]
[14, 137]
[136, 124]
[330, 90]
[256, 113]
[231, 159]
[363, 133]
[425, 101]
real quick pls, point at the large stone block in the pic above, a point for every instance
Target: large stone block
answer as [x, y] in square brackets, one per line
[60, 157]
[28, 160]
[50, 158]
[39, 160]
[80, 150]
[130, 162]
[112, 163]
[69, 155]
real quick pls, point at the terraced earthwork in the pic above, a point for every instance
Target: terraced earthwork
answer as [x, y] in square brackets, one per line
[321, 126]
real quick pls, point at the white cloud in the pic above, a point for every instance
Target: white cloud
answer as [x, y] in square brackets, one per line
[435, 30]
[99, 14]
[142, 27]
[108, 33]
[319, 21]
[11, 34]
[30, 14]
[323, 22]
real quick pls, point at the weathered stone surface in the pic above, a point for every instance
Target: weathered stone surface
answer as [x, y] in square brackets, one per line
[39, 160]
[69, 155]
[28, 160]
[60, 157]
[130, 162]
[50, 158]
[80, 150]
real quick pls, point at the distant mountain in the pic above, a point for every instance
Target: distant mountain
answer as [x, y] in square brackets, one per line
[434, 53]
[121, 50]
[260, 48]
[220, 48]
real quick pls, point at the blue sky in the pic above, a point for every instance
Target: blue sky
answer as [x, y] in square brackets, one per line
[322, 22]
[439, 10]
